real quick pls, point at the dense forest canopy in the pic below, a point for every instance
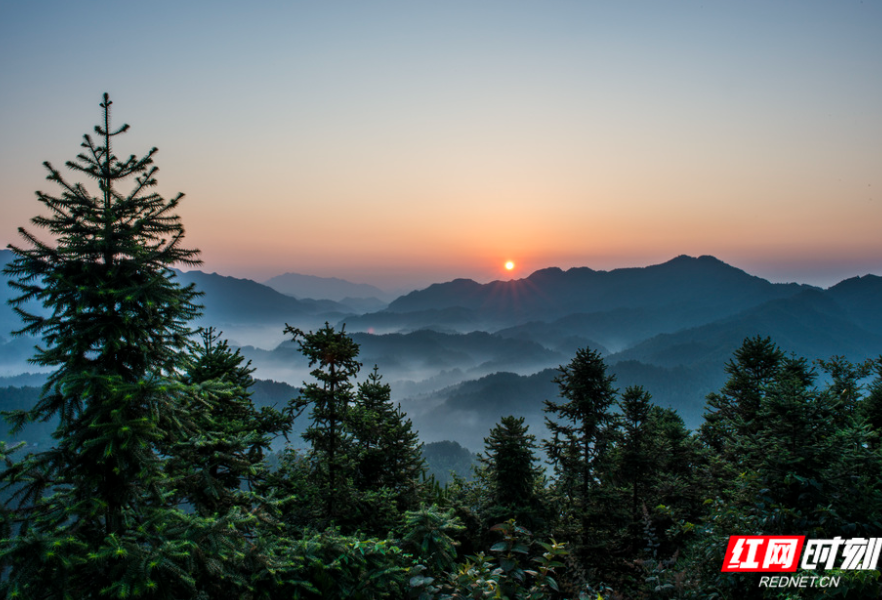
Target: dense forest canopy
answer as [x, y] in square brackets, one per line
[160, 480]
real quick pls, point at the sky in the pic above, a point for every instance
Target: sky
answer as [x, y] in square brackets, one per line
[404, 143]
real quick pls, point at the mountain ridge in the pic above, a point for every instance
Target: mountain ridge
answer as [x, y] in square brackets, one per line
[553, 291]
[303, 286]
[237, 298]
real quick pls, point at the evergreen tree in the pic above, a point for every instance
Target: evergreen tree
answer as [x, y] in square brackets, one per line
[387, 449]
[813, 454]
[636, 460]
[329, 399]
[756, 365]
[513, 475]
[677, 461]
[579, 437]
[654, 467]
[845, 385]
[579, 450]
[92, 512]
[217, 468]
[805, 462]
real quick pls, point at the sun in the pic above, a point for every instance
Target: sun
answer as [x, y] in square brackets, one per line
[509, 265]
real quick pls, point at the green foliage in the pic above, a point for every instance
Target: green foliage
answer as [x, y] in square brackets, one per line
[429, 532]
[514, 479]
[94, 515]
[331, 567]
[811, 453]
[583, 434]
[328, 400]
[363, 467]
[870, 408]
[387, 451]
[732, 413]
[578, 438]
[509, 572]
[637, 453]
[13, 399]
[216, 467]
[803, 462]
[116, 327]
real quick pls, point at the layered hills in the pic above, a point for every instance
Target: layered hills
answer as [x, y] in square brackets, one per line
[461, 354]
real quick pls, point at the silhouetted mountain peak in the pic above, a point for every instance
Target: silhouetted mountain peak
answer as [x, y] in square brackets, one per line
[704, 264]
[451, 294]
[704, 258]
[469, 283]
[861, 297]
[704, 282]
[859, 284]
[547, 271]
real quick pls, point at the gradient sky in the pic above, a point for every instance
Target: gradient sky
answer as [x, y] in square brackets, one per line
[401, 143]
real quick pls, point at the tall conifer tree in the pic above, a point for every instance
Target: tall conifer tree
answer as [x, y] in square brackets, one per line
[92, 512]
[232, 436]
[387, 451]
[636, 457]
[578, 430]
[329, 399]
[512, 474]
[581, 435]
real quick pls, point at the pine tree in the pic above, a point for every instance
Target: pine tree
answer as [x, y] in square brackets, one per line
[512, 473]
[329, 399]
[732, 422]
[804, 461]
[635, 460]
[675, 459]
[92, 513]
[845, 385]
[217, 468]
[387, 449]
[578, 450]
[755, 366]
[578, 439]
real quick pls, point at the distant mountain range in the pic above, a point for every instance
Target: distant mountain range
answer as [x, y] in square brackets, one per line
[460, 354]
[245, 310]
[627, 304]
[331, 288]
[705, 282]
[229, 299]
[466, 411]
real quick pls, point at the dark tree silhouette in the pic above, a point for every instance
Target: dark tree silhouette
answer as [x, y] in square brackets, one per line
[92, 513]
[328, 399]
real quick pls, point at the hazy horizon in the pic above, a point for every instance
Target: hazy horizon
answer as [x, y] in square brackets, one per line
[402, 144]
[823, 276]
